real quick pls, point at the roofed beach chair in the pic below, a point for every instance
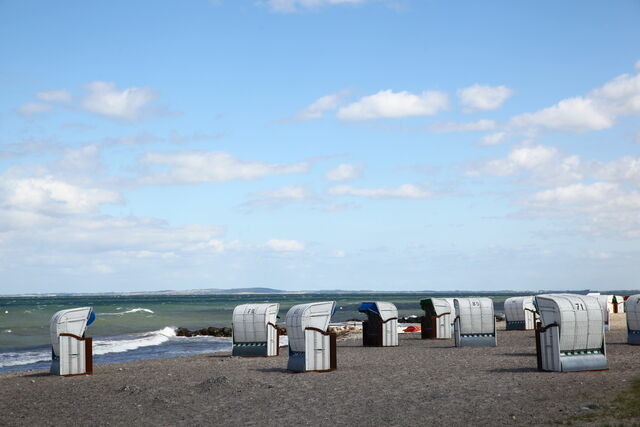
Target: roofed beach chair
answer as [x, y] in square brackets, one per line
[71, 351]
[571, 333]
[520, 313]
[311, 347]
[632, 308]
[381, 327]
[475, 322]
[254, 330]
[438, 318]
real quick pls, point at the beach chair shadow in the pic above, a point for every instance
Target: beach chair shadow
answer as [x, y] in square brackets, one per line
[38, 374]
[514, 370]
[520, 354]
[277, 370]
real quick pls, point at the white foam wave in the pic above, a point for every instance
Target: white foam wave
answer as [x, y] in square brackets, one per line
[23, 358]
[133, 310]
[100, 346]
[141, 340]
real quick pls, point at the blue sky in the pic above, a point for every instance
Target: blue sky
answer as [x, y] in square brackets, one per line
[319, 144]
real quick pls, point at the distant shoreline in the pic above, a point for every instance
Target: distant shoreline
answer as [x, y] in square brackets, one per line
[268, 291]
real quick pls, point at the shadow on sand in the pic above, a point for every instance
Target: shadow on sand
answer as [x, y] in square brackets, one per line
[514, 370]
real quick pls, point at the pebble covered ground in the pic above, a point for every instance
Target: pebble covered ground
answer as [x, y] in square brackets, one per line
[421, 382]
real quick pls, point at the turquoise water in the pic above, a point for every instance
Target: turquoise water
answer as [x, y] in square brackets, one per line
[141, 327]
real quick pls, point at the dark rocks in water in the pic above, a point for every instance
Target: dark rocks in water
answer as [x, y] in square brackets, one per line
[410, 319]
[210, 331]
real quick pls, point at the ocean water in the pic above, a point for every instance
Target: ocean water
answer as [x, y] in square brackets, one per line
[129, 328]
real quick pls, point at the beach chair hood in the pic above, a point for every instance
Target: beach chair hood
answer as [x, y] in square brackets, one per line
[514, 307]
[315, 315]
[476, 315]
[385, 310]
[632, 308]
[250, 321]
[437, 306]
[579, 317]
[72, 321]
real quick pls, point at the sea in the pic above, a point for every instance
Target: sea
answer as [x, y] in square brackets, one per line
[137, 327]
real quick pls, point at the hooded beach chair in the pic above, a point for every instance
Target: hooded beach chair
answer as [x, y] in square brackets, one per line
[254, 330]
[381, 327]
[571, 333]
[520, 313]
[632, 308]
[71, 351]
[475, 322]
[311, 347]
[438, 318]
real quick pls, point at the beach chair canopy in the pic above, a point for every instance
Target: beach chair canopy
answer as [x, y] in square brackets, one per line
[476, 315]
[632, 308]
[579, 318]
[437, 306]
[514, 307]
[312, 315]
[72, 321]
[385, 310]
[250, 321]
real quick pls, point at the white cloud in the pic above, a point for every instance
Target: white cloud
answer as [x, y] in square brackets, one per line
[317, 109]
[280, 197]
[389, 104]
[600, 208]
[574, 194]
[59, 95]
[598, 110]
[479, 125]
[343, 172]
[572, 115]
[105, 99]
[519, 159]
[32, 108]
[483, 98]
[191, 167]
[493, 138]
[406, 191]
[86, 158]
[545, 165]
[46, 195]
[280, 245]
[290, 6]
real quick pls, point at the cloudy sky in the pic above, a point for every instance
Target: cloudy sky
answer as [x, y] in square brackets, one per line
[319, 144]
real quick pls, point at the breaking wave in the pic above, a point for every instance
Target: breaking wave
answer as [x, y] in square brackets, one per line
[146, 339]
[133, 310]
[100, 346]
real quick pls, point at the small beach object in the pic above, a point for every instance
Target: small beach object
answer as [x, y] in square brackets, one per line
[475, 323]
[411, 329]
[311, 347]
[72, 352]
[520, 313]
[254, 330]
[632, 308]
[570, 335]
[381, 327]
[610, 304]
[438, 318]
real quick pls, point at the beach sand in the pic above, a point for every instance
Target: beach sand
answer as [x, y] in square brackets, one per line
[421, 382]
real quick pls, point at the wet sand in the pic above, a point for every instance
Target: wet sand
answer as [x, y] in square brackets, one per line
[421, 382]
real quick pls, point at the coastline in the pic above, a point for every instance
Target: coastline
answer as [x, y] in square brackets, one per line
[421, 381]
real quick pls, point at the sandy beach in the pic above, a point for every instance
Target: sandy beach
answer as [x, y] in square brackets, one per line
[420, 382]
